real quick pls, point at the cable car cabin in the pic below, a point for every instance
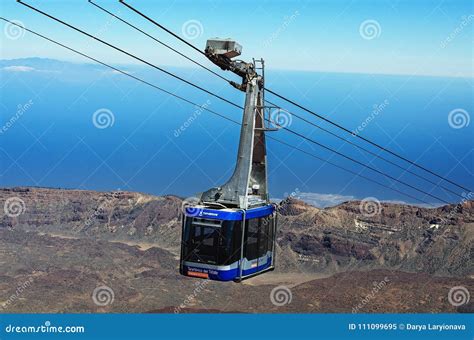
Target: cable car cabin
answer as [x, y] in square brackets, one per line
[230, 234]
[212, 242]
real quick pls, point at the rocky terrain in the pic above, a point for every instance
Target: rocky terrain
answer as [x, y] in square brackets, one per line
[65, 250]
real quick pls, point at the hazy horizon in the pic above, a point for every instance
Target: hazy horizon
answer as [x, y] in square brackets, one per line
[338, 36]
[133, 64]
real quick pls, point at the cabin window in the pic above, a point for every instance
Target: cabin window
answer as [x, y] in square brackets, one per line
[258, 237]
[263, 237]
[219, 242]
[233, 228]
[201, 240]
[251, 238]
[212, 241]
[204, 243]
[269, 231]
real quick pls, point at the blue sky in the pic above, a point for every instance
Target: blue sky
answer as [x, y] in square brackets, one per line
[409, 37]
[348, 46]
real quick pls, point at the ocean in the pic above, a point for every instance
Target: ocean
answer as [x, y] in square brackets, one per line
[83, 126]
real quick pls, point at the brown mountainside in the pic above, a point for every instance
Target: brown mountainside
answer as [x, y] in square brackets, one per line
[69, 241]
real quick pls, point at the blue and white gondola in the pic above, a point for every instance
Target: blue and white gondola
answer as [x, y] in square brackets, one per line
[212, 242]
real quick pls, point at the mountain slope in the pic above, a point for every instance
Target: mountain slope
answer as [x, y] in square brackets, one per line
[64, 244]
[436, 241]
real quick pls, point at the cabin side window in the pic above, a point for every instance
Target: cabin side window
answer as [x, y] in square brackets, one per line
[269, 221]
[264, 236]
[233, 234]
[258, 237]
[201, 240]
[251, 237]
